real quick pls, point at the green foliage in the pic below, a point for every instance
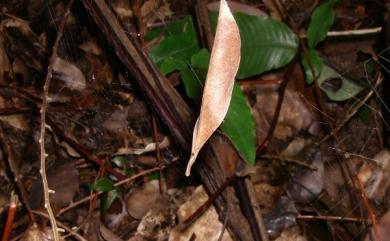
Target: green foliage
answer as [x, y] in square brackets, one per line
[266, 44]
[320, 23]
[111, 193]
[239, 126]
[316, 64]
[179, 47]
[103, 185]
[108, 199]
[347, 90]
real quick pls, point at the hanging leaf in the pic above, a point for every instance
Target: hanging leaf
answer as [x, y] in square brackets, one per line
[266, 44]
[224, 63]
[238, 124]
[337, 87]
[320, 23]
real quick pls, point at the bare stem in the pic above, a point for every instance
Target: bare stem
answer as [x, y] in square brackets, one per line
[45, 97]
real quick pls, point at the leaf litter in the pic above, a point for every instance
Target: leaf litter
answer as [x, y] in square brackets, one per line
[97, 113]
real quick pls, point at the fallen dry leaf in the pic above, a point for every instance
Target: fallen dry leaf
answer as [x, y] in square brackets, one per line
[224, 63]
[206, 227]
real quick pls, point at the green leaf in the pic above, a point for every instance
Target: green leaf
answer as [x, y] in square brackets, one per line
[103, 185]
[320, 23]
[347, 90]
[109, 198]
[171, 64]
[177, 26]
[316, 64]
[180, 47]
[194, 76]
[238, 124]
[266, 44]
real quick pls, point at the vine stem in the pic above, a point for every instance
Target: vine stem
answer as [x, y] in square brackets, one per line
[45, 100]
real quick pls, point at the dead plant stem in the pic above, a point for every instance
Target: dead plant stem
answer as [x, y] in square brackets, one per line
[45, 100]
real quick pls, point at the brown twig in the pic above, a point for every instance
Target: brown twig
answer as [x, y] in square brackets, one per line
[331, 218]
[203, 20]
[45, 97]
[15, 171]
[94, 195]
[371, 213]
[162, 184]
[10, 217]
[281, 94]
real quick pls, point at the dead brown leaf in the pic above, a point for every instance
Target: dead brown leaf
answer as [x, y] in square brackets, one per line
[224, 63]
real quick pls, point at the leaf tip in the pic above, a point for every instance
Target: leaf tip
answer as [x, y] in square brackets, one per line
[190, 163]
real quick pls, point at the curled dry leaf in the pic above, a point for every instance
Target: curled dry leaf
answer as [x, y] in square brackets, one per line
[224, 63]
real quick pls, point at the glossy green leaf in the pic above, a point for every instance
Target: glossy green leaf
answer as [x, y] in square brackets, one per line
[239, 126]
[266, 44]
[320, 23]
[347, 90]
[180, 47]
[316, 64]
[103, 185]
[171, 64]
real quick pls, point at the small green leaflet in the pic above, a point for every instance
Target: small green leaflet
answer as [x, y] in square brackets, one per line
[320, 23]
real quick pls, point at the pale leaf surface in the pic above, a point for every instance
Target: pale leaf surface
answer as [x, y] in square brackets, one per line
[224, 63]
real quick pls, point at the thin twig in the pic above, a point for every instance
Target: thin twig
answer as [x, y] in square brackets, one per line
[162, 184]
[10, 217]
[281, 93]
[331, 218]
[15, 171]
[45, 97]
[371, 213]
